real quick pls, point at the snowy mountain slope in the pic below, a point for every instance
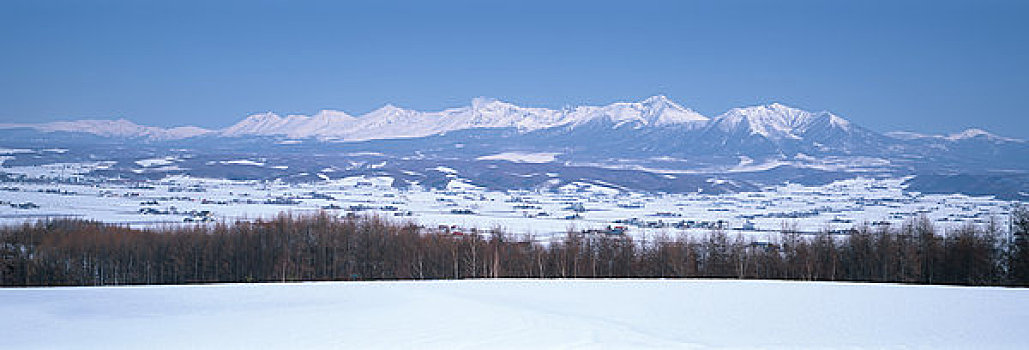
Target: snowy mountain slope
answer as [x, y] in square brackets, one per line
[120, 128]
[773, 122]
[267, 124]
[968, 134]
[779, 129]
[655, 111]
[975, 149]
[391, 121]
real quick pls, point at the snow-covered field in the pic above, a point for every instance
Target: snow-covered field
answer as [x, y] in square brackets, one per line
[542, 213]
[521, 314]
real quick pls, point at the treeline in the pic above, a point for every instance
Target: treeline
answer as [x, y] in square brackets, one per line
[323, 247]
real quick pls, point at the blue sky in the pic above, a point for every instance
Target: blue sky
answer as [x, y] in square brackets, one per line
[933, 66]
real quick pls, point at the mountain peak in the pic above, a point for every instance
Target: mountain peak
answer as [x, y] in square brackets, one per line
[969, 133]
[777, 121]
[256, 124]
[328, 114]
[389, 108]
[775, 112]
[492, 105]
[772, 109]
[264, 116]
[837, 121]
[482, 101]
[659, 110]
[978, 133]
[657, 99]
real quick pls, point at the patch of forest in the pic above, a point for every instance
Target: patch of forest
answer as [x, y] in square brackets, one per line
[68, 252]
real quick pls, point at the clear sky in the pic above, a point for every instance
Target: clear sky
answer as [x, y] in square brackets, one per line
[932, 66]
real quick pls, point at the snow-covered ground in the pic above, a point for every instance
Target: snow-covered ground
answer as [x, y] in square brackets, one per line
[541, 213]
[519, 314]
[521, 157]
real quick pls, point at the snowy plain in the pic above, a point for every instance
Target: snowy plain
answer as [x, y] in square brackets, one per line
[519, 314]
[543, 214]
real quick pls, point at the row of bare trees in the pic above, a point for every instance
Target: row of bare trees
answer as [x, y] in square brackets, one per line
[323, 247]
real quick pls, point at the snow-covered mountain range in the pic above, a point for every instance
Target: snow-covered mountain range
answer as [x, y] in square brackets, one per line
[121, 128]
[391, 121]
[968, 134]
[654, 145]
[774, 123]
